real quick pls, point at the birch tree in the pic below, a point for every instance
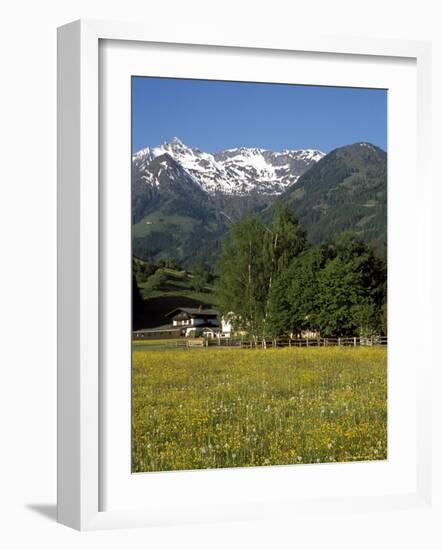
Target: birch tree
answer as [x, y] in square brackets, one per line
[241, 287]
[253, 257]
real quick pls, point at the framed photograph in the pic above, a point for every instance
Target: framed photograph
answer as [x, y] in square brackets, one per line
[239, 275]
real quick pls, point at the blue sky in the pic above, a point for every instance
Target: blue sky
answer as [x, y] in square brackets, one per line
[215, 115]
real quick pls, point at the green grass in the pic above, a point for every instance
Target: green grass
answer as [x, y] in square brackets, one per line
[177, 283]
[155, 344]
[158, 222]
[298, 194]
[212, 408]
[137, 344]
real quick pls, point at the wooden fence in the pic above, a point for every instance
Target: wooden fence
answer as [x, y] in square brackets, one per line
[353, 341]
[246, 343]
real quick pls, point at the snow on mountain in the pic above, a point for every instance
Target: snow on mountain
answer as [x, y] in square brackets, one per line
[238, 171]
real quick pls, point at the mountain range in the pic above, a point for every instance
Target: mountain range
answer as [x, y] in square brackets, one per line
[238, 171]
[184, 199]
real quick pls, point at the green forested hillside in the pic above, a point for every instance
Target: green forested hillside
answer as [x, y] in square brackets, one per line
[347, 189]
[176, 218]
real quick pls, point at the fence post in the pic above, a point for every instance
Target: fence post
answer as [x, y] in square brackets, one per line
[339, 341]
[354, 341]
[307, 342]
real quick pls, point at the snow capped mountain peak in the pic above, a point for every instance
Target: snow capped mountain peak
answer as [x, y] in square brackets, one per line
[176, 141]
[236, 171]
[175, 144]
[174, 147]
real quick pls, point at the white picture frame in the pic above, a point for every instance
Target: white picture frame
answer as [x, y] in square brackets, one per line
[80, 296]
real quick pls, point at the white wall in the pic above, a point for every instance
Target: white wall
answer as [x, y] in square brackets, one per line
[226, 326]
[28, 253]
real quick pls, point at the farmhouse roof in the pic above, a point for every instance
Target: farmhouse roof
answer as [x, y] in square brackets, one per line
[201, 327]
[192, 311]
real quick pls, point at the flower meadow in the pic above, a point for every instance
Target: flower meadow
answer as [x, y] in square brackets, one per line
[224, 408]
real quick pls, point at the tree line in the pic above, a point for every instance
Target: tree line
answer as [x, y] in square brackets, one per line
[270, 283]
